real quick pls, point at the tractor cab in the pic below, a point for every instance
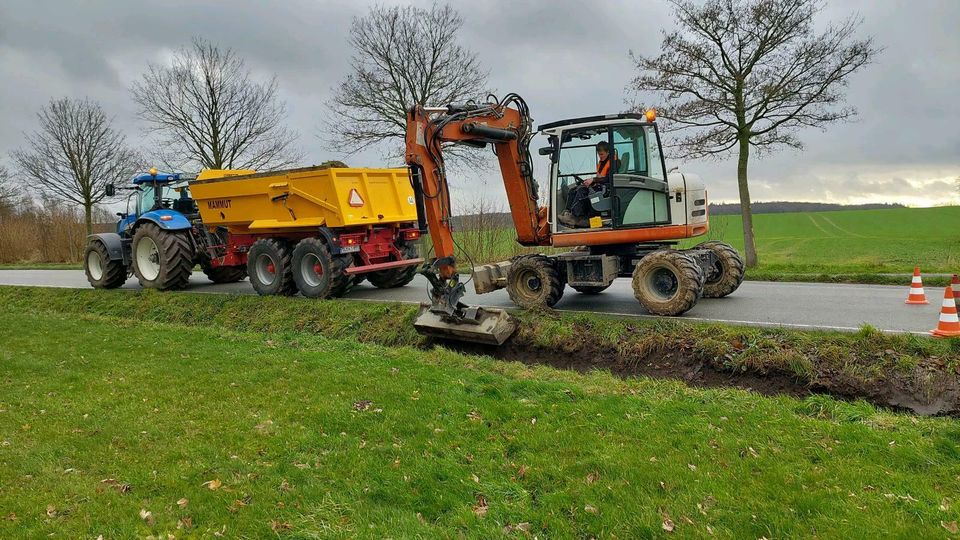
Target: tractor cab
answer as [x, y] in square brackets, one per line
[630, 187]
[155, 192]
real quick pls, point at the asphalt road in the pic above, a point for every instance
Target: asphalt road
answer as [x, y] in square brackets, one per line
[794, 305]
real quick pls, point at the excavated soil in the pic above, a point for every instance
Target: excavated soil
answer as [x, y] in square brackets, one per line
[937, 393]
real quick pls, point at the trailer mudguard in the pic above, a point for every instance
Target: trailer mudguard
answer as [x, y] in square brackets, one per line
[166, 219]
[112, 241]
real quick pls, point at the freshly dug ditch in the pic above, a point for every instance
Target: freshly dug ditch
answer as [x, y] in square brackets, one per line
[903, 372]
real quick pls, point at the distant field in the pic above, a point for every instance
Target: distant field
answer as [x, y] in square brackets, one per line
[893, 240]
[843, 242]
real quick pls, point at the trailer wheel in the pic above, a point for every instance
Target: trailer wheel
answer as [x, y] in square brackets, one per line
[591, 289]
[534, 281]
[269, 268]
[727, 274]
[316, 272]
[102, 273]
[667, 282]
[223, 274]
[396, 277]
[162, 259]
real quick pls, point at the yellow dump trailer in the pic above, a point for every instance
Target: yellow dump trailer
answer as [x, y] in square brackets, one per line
[311, 197]
[315, 230]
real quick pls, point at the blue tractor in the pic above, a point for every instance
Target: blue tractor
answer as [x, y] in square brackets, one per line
[160, 239]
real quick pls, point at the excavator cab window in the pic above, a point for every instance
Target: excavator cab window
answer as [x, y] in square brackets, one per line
[640, 190]
[637, 196]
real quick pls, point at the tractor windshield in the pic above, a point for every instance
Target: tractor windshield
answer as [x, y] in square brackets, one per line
[147, 200]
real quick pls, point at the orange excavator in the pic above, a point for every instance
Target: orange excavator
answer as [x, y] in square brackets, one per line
[623, 221]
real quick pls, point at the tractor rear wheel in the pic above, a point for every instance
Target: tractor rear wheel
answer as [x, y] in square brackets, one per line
[667, 282]
[269, 268]
[162, 259]
[727, 274]
[534, 281]
[396, 277]
[591, 289]
[317, 273]
[102, 273]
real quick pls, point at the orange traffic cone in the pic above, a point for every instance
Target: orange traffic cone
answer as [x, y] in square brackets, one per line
[917, 296]
[949, 325]
[955, 285]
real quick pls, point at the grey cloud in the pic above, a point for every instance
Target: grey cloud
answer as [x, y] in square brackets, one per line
[567, 58]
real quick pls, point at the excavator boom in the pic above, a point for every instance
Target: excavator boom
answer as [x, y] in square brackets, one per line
[506, 125]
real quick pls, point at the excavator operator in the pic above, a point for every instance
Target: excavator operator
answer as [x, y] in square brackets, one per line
[577, 213]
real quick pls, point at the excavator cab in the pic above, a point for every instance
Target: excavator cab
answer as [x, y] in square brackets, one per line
[634, 192]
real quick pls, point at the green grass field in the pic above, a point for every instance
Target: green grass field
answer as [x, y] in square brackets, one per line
[128, 429]
[858, 244]
[856, 241]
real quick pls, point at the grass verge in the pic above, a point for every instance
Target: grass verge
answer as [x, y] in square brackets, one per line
[124, 416]
[902, 371]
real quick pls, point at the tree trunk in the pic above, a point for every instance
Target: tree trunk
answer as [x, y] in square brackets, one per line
[749, 247]
[88, 217]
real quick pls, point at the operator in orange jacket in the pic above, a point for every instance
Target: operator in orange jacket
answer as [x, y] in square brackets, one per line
[577, 213]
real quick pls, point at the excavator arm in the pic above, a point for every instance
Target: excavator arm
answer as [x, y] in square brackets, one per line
[507, 126]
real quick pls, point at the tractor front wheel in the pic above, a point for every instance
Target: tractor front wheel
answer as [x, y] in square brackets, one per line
[534, 281]
[162, 259]
[270, 269]
[318, 273]
[103, 273]
[667, 282]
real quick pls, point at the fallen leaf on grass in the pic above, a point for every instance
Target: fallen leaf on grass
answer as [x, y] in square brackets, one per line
[362, 405]
[480, 509]
[285, 486]
[522, 471]
[213, 484]
[11, 516]
[590, 509]
[523, 527]
[147, 516]
[475, 416]
[691, 466]
[277, 526]
[182, 503]
[236, 505]
[185, 523]
[116, 484]
[950, 526]
[593, 477]
[668, 525]
[51, 510]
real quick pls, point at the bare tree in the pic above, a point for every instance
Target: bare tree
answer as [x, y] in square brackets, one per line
[403, 55]
[210, 113]
[75, 152]
[750, 73]
[7, 191]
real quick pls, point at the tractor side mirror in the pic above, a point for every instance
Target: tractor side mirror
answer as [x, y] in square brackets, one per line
[109, 190]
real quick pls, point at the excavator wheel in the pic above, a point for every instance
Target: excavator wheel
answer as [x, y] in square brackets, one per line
[162, 259]
[534, 281]
[318, 273]
[667, 282]
[269, 267]
[396, 277]
[590, 289]
[728, 272]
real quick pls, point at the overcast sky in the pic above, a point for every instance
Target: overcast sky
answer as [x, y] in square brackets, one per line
[566, 58]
